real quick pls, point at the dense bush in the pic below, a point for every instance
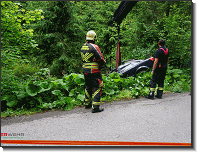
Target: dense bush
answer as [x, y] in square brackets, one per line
[46, 92]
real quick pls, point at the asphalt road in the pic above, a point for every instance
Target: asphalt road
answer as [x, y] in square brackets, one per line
[137, 120]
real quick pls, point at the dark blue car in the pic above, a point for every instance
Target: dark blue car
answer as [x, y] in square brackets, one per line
[132, 67]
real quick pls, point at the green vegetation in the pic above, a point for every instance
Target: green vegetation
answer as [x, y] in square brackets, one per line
[44, 92]
[40, 57]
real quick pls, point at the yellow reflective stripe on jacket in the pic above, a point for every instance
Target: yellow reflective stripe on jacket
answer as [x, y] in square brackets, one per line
[92, 65]
[85, 48]
[152, 89]
[86, 56]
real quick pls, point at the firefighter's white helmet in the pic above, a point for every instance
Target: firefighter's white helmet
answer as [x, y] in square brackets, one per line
[91, 35]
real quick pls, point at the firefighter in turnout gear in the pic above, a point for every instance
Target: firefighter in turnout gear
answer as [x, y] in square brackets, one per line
[93, 62]
[159, 70]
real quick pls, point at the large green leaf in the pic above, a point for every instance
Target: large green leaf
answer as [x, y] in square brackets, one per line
[117, 80]
[110, 92]
[56, 92]
[69, 104]
[20, 94]
[79, 80]
[45, 86]
[4, 97]
[81, 97]
[176, 75]
[74, 75]
[32, 89]
[11, 101]
[72, 92]
[65, 86]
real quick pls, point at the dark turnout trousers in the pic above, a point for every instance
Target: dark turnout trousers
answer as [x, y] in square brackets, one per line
[93, 89]
[158, 78]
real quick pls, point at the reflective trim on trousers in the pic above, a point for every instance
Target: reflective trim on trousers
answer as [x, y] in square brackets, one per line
[152, 89]
[87, 94]
[87, 98]
[95, 103]
[160, 88]
[96, 92]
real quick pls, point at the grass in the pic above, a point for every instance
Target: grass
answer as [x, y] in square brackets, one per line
[19, 112]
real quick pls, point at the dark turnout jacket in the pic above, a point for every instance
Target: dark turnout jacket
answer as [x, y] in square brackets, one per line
[162, 53]
[92, 58]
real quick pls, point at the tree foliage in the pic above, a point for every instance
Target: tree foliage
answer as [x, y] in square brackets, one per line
[16, 36]
[55, 30]
[150, 21]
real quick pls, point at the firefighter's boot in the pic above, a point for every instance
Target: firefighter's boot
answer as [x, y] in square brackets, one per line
[150, 95]
[159, 94]
[95, 109]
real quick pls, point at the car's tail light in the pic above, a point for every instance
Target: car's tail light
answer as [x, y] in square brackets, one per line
[151, 58]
